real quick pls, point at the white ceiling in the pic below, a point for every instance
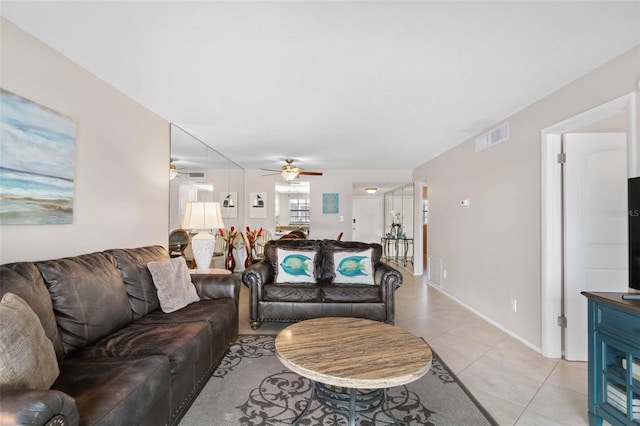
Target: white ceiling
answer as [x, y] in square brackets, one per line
[335, 85]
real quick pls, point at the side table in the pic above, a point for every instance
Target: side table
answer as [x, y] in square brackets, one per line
[214, 271]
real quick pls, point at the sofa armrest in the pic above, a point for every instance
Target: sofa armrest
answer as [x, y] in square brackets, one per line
[256, 276]
[215, 286]
[387, 275]
[389, 279]
[37, 407]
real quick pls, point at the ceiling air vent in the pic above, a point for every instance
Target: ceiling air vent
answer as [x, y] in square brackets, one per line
[493, 137]
[197, 175]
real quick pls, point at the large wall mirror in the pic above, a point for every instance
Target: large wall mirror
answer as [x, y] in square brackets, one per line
[399, 229]
[200, 173]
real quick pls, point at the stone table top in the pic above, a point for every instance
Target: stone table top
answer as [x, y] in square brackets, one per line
[353, 352]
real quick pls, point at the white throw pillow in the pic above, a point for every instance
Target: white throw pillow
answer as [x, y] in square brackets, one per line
[295, 266]
[353, 267]
[172, 280]
[27, 357]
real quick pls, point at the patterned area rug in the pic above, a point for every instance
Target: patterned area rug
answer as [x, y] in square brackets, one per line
[251, 387]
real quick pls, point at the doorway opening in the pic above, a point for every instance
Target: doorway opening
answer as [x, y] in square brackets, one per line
[552, 272]
[292, 207]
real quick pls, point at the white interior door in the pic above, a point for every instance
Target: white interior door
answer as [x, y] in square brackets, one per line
[595, 221]
[367, 218]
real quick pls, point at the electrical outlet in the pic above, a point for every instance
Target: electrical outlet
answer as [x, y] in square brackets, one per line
[514, 305]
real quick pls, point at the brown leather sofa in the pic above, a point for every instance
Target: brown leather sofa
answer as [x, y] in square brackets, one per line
[122, 360]
[290, 302]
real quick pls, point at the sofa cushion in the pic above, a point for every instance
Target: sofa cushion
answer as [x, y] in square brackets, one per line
[116, 391]
[185, 344]
[88, 295]
[292, 293]
[357, 293]
[24, 279]
[220, 314]
[353, 267]
[171, 279]
[138, 282]
[329, 247]
[295, 266]
[27, 357]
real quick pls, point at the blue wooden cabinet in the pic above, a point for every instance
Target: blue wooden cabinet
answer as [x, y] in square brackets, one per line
[614, 359]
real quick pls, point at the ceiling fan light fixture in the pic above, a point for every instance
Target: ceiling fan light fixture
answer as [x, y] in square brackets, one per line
[289, 174]
[173, 172]
[371, 190]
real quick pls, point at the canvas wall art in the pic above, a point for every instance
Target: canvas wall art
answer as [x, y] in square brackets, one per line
[37, 154]
[330, 203]
[229, 204]
[258, 205]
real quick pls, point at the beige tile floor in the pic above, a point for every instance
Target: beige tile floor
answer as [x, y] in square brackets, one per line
[514, 383]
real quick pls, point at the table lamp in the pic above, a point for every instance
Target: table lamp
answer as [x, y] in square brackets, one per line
[203, 217]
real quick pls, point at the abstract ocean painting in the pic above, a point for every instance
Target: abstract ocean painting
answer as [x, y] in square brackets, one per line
[37, 152]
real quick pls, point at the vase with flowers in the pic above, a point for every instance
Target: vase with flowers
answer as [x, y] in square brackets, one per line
[252, 239]
[396, 217]
[229, 236]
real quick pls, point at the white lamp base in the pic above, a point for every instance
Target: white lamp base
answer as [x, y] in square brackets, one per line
[203, 245]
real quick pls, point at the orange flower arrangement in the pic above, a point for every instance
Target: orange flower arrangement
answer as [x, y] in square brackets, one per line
[252, 237]
[229, 236]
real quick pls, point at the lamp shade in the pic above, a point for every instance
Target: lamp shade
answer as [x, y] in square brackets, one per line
[202, 215]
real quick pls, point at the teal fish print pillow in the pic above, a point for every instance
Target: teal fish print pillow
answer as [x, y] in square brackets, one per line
[295, 266]
[353, 267]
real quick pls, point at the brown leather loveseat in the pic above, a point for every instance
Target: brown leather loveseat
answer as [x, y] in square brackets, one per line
[303, 279]
[122, 360]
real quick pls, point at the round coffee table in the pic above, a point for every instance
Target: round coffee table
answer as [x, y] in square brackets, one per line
[352, 361]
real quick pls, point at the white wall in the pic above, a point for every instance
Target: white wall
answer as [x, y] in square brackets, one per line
[122, 157]
[332, 181]
[491, 251]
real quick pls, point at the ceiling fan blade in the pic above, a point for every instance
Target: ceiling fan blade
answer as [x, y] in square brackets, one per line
[304, 172]
[272, 170]
[271, 174]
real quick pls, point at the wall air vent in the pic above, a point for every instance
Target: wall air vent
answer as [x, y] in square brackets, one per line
[493, 137]
[197, 175]
[434, 271]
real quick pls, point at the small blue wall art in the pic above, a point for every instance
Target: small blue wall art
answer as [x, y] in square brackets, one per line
[330, 203]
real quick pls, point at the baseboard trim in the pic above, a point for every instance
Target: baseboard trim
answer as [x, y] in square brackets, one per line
[490, 321]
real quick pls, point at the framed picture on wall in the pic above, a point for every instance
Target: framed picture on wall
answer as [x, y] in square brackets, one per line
[257, 205]
[330, 203]
[37, 168]
[229, 204]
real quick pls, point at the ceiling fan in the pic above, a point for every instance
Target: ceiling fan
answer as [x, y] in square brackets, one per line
[290, 172]
[174, 172]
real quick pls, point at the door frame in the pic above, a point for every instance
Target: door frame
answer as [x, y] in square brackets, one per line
[551, 209]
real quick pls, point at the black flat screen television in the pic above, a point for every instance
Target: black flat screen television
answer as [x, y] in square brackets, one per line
[634, 232]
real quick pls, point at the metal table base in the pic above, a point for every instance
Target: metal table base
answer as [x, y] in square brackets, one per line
[348, 401]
